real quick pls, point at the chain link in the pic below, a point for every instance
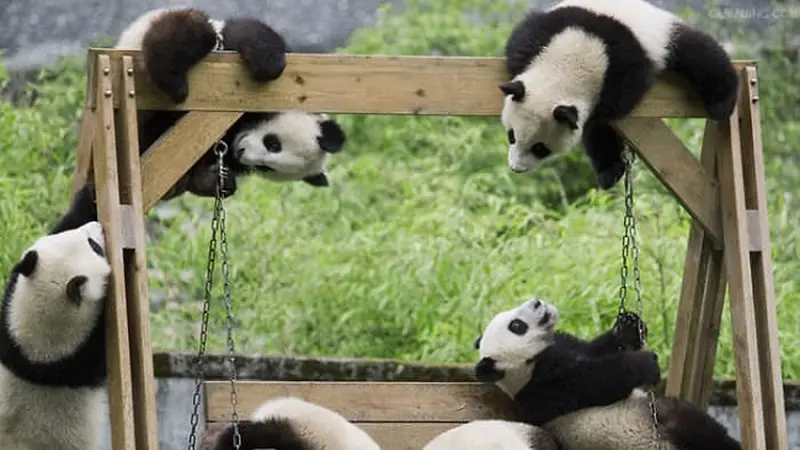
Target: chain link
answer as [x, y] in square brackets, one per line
[630, 247]
[217, 224]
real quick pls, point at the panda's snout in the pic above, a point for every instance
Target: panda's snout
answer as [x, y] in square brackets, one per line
[239, 152]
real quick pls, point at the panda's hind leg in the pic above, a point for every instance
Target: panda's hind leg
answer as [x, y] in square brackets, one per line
[698, 57]
[604, 146]
[263, 50]
[689, 427]
[173, 44]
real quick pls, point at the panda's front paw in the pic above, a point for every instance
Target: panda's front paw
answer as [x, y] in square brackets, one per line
[177, 89]
[645, 367]
[608, 176]
[626, 331]
[721, 110]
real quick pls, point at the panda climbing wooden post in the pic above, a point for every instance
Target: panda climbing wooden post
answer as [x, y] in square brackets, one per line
[131, 383]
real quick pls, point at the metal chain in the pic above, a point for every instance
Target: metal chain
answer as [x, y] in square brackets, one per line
[220, 212]
[217, 224]
[630, 245]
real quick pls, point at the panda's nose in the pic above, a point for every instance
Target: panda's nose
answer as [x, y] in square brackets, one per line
[537, 304]
[239, 152]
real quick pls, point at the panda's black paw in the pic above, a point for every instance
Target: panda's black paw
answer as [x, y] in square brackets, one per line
[608, 176]
[177, 90]
[645, 367]
[626, 331]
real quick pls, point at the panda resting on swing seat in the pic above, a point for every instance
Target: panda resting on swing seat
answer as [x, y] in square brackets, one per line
[582, 64]
[587, 394]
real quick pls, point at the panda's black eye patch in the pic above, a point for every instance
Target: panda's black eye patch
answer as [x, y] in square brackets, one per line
[518, 327]
[511, 139]
[272, 143]
[540, 150]
[96, 247]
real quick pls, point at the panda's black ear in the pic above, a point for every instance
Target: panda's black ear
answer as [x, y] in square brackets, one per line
[566, 114]
[333, 138]
[317, 180]
[74, 288]
[477, 343]
[27, 264]
[515, 89]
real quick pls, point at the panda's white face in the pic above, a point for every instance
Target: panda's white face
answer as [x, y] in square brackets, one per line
[288, 146]
[511, 341]
[62, 280]
[546, 106]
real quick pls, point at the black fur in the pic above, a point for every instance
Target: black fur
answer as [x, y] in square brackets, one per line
[318, 180]
[574, 374]
[262, 49]
[333, 138]
[84, 368]
[693, 54]
[277, 433]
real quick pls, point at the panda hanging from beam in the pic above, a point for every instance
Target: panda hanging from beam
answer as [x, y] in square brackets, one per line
[581, 64]
[586, 393]
[280, 146]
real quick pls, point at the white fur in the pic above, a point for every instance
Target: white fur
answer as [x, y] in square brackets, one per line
[570, 72]
[300, 154]
[325, 428]
[47, 326]
[131, 37]
[509, 350]
[486, 435]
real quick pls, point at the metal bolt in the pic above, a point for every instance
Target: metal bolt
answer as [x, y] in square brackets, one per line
[106, 71]
[753, 81]
[107, 93]
[131, 93]
[130, 71]
[755, 98]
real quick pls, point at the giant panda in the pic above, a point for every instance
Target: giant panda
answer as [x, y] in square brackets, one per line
[291, 423]
[172, 41]
[52, 344]
[586, 394]
[493, 435]
[282, 146]
[582, 64]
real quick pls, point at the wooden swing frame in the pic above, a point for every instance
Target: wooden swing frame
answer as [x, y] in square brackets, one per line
[724, 192]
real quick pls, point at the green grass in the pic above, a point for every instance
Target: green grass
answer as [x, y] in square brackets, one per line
[425, 233]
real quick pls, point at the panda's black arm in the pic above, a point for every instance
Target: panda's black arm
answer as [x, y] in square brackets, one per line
[82, 211]
[562, 384]
[624, 335]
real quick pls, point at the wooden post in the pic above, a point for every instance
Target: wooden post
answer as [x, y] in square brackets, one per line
[131, 383]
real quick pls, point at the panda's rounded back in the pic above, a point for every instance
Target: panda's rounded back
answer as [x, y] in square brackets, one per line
[493, 435]
[44, 321]
[323, 428]
[625, 425]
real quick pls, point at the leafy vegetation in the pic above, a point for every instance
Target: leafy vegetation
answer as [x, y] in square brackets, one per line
[425, 233]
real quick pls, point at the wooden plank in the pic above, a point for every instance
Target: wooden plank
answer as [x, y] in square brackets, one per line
[737, 262]
[171, 156]
[369, 401]
[679, 171]
[708, 339]
[143, 379]
[371, 84]
[83, 155]
[766, 321]
[389, 435]
[120, 396]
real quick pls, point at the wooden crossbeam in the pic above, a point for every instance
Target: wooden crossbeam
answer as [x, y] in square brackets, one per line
[371, 84]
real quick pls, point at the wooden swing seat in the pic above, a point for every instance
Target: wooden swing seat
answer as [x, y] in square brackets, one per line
[398, 415]
[724, 192]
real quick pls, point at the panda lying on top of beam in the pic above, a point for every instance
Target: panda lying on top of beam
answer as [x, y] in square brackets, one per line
[52, 344]
[279, 146]
[586, 393]
[581, 64]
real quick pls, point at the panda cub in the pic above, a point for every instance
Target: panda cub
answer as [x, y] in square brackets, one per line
[582, 64]
[172, 41]
[289, 423]
[493, 435]
[586, 393]
[52, 344]
[283, 146]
